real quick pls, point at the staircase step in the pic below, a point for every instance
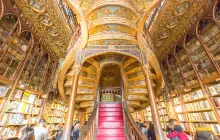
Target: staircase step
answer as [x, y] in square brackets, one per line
[110, 113]
[100, 137]
[111, 131]
[110, 109]
[119, 124]
[110, 105]
[110, 118]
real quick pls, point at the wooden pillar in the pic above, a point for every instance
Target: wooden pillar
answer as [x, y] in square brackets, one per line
[72, 98]
[152, 99]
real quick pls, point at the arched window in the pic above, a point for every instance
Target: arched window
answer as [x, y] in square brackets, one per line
[175, 72]
[210, 35]
[31, 64]
[49, 76]
[217, 12]
[38, 76]
[199, 57]
[14, 54]
[8, 26]
[188, 74]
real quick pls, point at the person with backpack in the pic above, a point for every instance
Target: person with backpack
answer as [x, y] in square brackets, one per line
[204, 132]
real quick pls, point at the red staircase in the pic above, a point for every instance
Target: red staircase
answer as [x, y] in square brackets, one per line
[110, 123]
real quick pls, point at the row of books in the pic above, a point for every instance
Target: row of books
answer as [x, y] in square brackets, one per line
[164, 118]
[3, 90]
[162, 111]
[24, 96]
[181, 117]
[192, 82]
[12, 118]
[161, 105]
[193, 95]
[56, 120]
[215, 89]
[58, 113]
[178, 108]
[203, 116]
[217, 101]
[197, 105]
[176, 101]
[9, 131]
[212, 32]
[184, 126]
[193, 45]
[58, 106]
[51, 127]
[19, 107]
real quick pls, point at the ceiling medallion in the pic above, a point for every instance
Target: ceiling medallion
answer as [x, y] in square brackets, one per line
[172, 22]
[37, 5]
[158, 43]
[45, 19]
[164, 34]
[182, 8]
[52, 31]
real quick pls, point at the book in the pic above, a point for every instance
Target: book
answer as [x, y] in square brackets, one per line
[25, 96]
[3, 90]
[17, 94]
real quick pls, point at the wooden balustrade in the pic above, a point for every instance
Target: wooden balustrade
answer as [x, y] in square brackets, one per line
[90, 130]
[131, 128]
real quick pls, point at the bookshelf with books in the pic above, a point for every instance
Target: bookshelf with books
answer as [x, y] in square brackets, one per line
[199, 57]
[162, 112]
[55, 116]
[19, 111]
[175, 72]
[148, 115]
[209, 34]
[185, 68]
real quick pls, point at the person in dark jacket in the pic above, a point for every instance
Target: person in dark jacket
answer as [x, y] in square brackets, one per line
[75, 131]
[151, 133]
[204, 132]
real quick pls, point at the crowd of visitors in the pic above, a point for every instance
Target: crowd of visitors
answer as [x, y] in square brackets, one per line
[175, 131]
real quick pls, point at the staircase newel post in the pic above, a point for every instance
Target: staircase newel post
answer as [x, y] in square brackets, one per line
[152, 100]
[72, 98]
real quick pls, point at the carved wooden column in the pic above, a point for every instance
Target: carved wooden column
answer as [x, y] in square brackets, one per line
[152, 99]
[72, 98]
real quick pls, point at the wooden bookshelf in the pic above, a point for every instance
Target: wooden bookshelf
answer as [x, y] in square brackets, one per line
[162, 111]
[22, 109]
[55, 115]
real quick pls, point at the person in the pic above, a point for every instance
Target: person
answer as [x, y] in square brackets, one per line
[139, 123]
[40, 132]
[151, 133]
[204, 132]
[59, 133]
[75, 131]
[175, 132]
[143, 129]
[27, 134]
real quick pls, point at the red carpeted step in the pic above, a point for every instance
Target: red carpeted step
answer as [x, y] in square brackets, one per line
[110, 105]
[117, 124]
[110, 123]
[110, 113]
[111, 131]
[110, 109]
[110, 138]
[110, 118]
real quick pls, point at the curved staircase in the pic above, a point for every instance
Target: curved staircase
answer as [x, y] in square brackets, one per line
[110, 122]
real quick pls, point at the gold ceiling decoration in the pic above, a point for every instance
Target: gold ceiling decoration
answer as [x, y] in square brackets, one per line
[49, 23]
[174, 20]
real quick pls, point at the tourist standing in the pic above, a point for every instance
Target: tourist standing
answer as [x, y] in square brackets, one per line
[151, 133]
[40, 132]
[204, 132]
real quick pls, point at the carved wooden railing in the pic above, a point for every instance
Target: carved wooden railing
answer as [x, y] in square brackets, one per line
[90, 129]
[132, 130]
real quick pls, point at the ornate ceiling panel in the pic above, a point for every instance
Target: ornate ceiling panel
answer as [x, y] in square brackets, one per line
[173, 22]
[48, 22]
